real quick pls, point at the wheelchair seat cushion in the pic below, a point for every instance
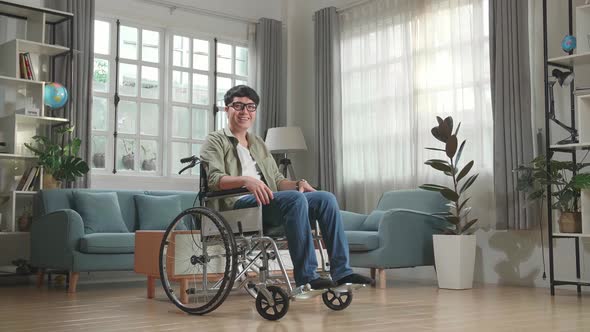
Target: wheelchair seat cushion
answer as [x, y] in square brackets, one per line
[359, 241]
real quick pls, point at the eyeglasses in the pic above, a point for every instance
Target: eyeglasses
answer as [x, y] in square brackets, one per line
[240, 106]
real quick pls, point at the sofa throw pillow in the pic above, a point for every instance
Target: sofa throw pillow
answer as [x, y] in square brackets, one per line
[156, 212]
[100, 212]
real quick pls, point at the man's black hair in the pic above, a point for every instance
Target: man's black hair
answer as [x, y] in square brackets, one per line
[241, 91]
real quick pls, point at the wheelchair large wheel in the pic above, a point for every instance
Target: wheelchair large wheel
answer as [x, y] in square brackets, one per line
[337, 301]
[279, 307]
[198, 260]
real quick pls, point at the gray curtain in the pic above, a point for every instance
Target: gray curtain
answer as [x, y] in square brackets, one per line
[78, 78]
[328, 101]
[511, 104]
[269, 83]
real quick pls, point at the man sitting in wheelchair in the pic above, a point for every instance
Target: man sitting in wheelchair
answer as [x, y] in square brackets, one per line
[236, 158]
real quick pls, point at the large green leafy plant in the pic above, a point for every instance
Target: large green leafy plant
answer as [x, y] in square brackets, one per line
[61, 161]
[533, 179]
[458, 214]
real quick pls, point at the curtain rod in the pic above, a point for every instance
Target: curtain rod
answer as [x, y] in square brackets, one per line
[172, 6]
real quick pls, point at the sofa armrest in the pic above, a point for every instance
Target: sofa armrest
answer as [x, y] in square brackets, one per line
[352, 221]
[54, 238]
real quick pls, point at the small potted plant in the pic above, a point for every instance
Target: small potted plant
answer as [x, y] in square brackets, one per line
[98, 158]
[148, 164]
[60, 162]
[129, 158]
[533, 179]
[454, 250]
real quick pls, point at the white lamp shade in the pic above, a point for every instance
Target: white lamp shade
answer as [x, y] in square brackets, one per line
[285, 139]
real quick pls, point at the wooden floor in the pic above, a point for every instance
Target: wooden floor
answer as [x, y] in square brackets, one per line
[401, 307]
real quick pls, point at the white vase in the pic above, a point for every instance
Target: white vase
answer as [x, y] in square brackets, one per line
[454, 257]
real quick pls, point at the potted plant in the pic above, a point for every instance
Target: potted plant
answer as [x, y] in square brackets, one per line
[60, 162]
[533, 179]
[98, 158]
[454, 250]
[148, 164]
[129, 158]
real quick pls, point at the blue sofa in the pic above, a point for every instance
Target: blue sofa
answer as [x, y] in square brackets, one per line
[59, 240]
[397, 234]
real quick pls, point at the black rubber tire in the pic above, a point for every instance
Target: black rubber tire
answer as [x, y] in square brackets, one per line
[279, 309]
[335, 302]
[229, 245]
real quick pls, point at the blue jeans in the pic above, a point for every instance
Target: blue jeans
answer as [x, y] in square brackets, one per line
[294, 210]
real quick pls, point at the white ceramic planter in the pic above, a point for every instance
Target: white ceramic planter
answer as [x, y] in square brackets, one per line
[454, 257]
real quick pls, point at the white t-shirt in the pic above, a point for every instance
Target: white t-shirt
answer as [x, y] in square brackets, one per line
[248, 163]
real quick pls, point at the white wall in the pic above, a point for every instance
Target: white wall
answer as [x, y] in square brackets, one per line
[502, 257]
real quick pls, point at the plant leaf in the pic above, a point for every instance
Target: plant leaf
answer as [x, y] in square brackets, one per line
[464, 202]
[436, 132]
[451, 146]
[468, 183]
[460, 150]
[467, 225]
[440, 165]
[448, 121]
[581, 181]
[449, 194]
[457, 130]
[452, 219]
[465, 171]
[433, 187]
[435, 149]
[439, 120]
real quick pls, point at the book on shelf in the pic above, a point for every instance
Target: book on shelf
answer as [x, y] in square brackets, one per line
[30, 178]
[23, 178]
[26, 66]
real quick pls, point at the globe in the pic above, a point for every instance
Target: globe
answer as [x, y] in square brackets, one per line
[568, 43]
[56, 95]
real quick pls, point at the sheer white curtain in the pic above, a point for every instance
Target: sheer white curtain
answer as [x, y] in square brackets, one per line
[404, 62]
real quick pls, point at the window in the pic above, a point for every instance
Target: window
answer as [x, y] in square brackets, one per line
[166, 102]
[232, 70]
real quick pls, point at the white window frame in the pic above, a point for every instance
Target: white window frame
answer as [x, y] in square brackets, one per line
[165, 103]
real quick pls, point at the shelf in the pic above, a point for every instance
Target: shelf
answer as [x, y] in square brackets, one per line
[580, 282]
[13, 233]
[570, 60]
[571, 235]
[40, 48]
[33, 119]
[571, 147]
[22, 11]
[19, 82]
[15, 156]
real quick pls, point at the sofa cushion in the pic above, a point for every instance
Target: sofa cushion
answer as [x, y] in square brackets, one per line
[156, 212]
[362, 241]
[100, 212]
[108, 243]
[372, 221]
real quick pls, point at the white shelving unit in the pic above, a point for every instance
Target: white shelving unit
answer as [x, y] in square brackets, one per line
[17, 96]
[578, 63]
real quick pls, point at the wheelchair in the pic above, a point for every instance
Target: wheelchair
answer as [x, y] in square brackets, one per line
[205, 254]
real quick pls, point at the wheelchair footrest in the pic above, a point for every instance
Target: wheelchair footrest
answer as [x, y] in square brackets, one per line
[305, 292]
[344, 288]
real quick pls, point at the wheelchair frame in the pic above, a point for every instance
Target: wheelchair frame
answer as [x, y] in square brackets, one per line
[247, 256]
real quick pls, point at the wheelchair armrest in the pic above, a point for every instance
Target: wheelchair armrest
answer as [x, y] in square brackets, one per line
[226, 193]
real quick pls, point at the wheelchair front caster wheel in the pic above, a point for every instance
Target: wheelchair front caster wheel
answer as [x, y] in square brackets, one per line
[279, 307]
[337, 301]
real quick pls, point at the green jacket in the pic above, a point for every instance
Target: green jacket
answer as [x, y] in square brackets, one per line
[220, 155]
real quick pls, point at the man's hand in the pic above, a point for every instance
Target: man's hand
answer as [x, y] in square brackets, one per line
[259, 189]
[304, 186]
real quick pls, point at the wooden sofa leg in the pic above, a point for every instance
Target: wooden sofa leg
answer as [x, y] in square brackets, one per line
[40, 276]
[373, 276]
[382, 278]
[73, 282]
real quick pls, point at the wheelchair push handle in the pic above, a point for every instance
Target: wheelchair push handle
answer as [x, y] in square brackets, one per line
[193, 160]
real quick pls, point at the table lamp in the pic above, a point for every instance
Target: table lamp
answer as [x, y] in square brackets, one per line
[284, 140]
